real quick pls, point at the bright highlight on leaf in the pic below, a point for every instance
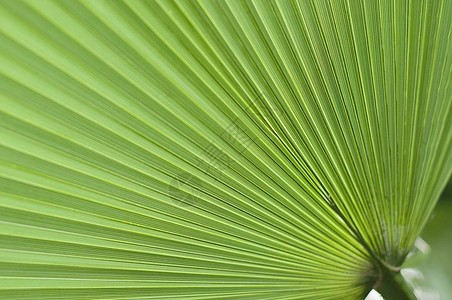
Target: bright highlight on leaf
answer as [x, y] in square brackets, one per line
[219, 149]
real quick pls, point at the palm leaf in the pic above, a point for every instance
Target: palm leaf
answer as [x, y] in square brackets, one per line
[218, 149]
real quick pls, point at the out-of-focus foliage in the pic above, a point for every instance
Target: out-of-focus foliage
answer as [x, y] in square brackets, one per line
[437, 269]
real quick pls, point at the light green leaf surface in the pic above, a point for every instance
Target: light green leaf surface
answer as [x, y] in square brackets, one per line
[218, 149]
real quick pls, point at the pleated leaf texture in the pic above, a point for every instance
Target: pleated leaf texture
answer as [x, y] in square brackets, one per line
[218, 149]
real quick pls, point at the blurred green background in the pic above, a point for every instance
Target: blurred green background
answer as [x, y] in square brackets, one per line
[437, 267]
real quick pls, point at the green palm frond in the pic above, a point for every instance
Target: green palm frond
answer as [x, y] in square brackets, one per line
[218, 149]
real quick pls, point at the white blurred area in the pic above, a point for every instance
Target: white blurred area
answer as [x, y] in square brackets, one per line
[374, 295]
[413, 277]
